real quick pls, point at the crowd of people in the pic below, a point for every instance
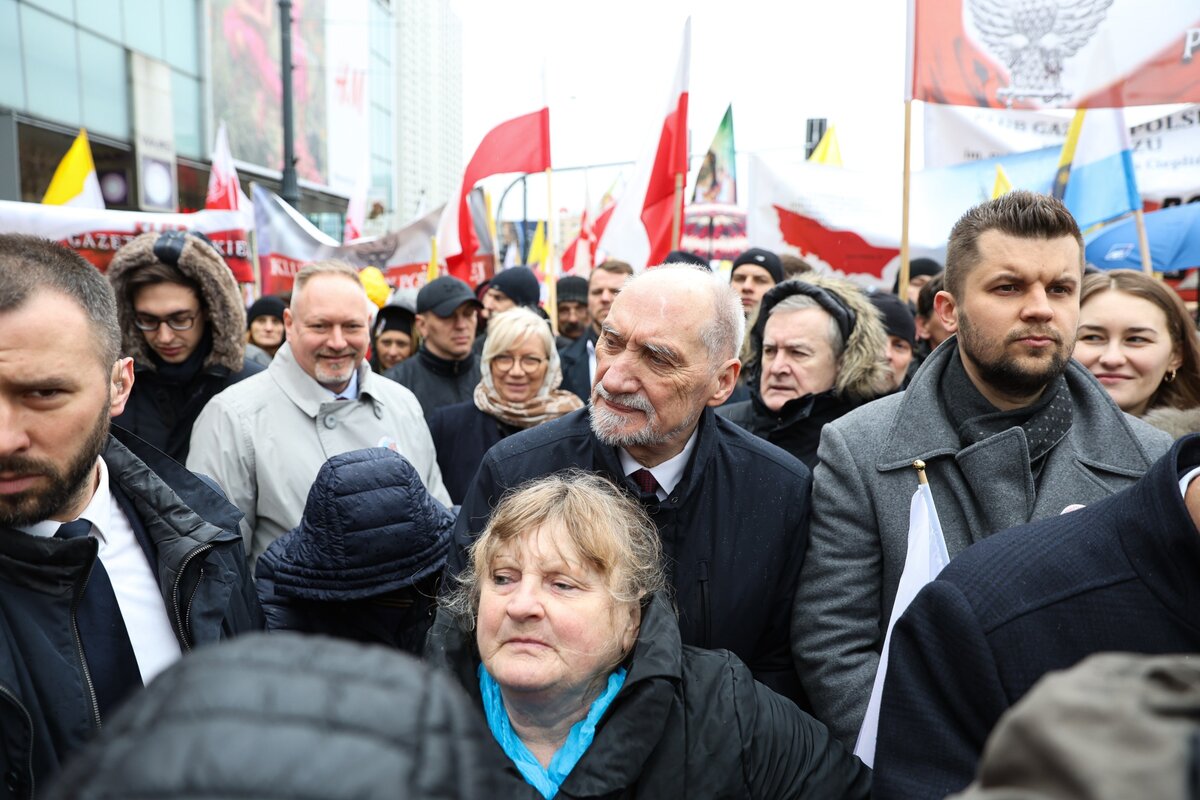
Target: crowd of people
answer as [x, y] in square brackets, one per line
[650, 549]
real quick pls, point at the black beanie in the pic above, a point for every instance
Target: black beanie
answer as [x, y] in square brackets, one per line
[897, 316]
[394, 318]
[519, 284]
[267, 306]
[760, 258]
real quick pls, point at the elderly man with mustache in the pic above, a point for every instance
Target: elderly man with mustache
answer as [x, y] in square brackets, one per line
[265, 442]
[731, 509]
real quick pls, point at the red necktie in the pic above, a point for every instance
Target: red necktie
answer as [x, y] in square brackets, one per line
[645, 481]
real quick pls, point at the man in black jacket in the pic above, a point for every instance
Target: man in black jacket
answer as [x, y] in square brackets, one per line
[114, 559]
[444, 371]
[1120, 575]
[731, 509]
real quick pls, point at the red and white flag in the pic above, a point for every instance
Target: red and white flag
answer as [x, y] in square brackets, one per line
[1086, 53]
[643, 222]
[518, 145]
[224, 191]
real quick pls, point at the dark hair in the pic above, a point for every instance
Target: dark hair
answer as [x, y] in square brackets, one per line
[157, 272]
[1026, 215]
[30, 264]
[1184, 390]
[927, 293]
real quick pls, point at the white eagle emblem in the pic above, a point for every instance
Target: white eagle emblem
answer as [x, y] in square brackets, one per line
[1033, 38]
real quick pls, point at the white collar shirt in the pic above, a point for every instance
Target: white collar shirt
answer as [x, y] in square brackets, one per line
[668, 473]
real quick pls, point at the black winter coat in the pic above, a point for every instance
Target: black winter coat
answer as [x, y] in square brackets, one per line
[734, 530]
[47, 710]
[1121, 575]
[162, 409]
[462, 435]
[577, 376]
[435, 381]
[688, 723]
[364, 562]
[290, 716]
[796, 427]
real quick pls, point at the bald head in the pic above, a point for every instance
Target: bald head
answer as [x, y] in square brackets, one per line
[698, 301]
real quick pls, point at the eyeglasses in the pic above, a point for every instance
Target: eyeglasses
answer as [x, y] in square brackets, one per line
[181, 321]
[504, 363]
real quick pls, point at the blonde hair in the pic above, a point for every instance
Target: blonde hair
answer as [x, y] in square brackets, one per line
[508, 328]
[607, 528]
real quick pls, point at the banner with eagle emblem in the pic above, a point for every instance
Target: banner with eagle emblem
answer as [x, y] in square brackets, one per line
[1054, 53]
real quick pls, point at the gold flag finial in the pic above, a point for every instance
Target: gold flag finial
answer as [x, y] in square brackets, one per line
[919, 466]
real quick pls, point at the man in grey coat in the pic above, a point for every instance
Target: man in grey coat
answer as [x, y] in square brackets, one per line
[1011, 430]
[264, 439]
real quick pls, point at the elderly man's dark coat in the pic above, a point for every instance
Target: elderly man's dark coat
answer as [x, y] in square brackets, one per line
[734, 530]
[1121, 575]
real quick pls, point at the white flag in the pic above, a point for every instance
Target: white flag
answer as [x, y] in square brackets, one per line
[925, 559]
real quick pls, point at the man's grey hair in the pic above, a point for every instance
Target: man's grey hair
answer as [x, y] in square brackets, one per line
[722, 334]
[802, 302]
[30, 264]
[328, 267]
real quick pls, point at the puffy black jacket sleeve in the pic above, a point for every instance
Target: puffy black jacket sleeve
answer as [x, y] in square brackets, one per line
[942, 697]
[787, 753]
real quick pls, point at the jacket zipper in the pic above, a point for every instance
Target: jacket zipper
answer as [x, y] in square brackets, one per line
[184, 639]
[706, 618]
[87, 673]
[28, 721]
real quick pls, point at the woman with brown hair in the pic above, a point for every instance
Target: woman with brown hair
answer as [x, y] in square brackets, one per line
[1136, 338]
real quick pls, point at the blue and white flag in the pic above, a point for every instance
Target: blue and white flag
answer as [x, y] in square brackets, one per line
[1095, 172]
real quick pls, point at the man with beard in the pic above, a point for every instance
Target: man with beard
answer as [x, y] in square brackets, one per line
[114, 559]
[731, 509]
[264, 439]
[1010, 430]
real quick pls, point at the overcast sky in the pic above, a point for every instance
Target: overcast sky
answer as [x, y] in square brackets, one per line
[609, 65]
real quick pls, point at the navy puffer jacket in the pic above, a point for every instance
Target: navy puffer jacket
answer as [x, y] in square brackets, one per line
[364, 562]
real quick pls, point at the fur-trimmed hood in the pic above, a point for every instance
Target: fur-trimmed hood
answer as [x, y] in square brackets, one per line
[1175, 421]
[863, 373]
[222, 302]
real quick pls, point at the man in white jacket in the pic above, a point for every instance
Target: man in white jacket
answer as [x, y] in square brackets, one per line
[264, 439]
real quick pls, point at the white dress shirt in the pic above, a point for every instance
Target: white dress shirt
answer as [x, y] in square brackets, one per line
[668, 474]
[141, 602]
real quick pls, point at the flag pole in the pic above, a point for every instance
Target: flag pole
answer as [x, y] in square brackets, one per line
[491, 223]
[1143, 242]
[431, 271]
[548, 267]
[677, 212]
[902, 287]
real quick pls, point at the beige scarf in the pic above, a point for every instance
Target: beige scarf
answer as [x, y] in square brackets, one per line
[549, 403]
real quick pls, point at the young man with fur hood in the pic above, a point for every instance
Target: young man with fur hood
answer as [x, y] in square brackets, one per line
[183, 323]
[816, 353]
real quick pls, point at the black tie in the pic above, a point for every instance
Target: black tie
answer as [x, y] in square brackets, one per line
[106, 645]
[647, 485]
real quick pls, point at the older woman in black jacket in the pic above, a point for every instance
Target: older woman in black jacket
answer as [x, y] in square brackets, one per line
[518, 388]
[560, 630]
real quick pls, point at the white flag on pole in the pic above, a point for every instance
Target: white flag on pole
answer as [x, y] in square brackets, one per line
[925, 559]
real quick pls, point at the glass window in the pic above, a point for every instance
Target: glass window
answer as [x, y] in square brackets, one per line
[105, 86]
[103, 18]
[144, 27]
[63, 8]
[12, 88]
[181, 32]
[51, 66]
[185, 101]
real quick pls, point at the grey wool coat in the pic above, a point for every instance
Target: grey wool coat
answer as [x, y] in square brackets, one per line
[862, 495]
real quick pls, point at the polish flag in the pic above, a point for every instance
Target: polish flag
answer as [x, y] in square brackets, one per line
[518, 145]
[224, 191]
[642, 225]
[578, 256]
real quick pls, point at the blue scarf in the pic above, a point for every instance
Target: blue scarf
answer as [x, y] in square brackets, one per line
[545, 780]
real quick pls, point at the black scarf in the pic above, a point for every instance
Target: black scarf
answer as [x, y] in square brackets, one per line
[1045, 422]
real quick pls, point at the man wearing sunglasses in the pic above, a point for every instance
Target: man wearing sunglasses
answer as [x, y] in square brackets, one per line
[183, 323]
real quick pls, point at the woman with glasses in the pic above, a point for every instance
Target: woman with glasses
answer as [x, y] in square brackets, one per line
[518, 389]
[183, 323]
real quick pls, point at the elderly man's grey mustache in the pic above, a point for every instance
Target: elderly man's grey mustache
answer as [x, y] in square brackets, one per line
[631, 400]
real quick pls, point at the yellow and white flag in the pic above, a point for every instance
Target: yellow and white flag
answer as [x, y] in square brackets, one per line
[926, 557]
[75, 182]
